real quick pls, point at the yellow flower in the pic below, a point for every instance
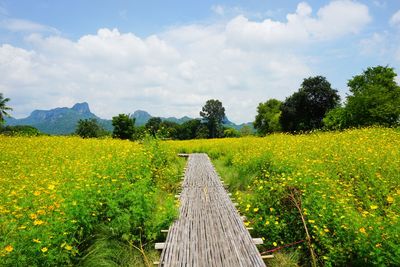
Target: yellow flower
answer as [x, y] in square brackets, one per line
[362, 230]
[275, 244]
[373, 207]
[41, 212]
[326, 230]
[38, 222]
[390, 199]
[44, 249]
[255, 209]
[68, 247]
[37, 193]
[37, 240]
[9, 248]
[267, 222]
[271, 209]
[51, 187]
[311, 221]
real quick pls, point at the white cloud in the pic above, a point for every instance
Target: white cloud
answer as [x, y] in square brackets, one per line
[395, 19]
[342, 17]
[334, 20]
[241, 62]
[21, 25]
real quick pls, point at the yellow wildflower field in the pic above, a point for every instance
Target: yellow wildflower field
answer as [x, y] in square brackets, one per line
[55, 191]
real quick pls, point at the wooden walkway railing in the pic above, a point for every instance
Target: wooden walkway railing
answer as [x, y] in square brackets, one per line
[209, 230]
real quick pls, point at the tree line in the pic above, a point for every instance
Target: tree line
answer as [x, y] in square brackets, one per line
[209, 126]
[374, 99]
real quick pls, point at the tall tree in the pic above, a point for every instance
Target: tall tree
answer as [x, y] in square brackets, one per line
[267, 118]
[89, 128]
[3, 108]
[124, 126]
[305, 109]
[375, 98]
[213, 113]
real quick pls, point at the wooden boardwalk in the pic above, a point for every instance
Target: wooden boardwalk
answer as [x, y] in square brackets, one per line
[209, 230]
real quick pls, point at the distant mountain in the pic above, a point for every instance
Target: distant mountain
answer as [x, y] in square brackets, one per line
[142, 117]
[59, 120]
[227, 123]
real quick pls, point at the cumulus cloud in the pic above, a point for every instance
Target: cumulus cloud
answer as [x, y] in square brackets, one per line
[334, 20]
[241, 62]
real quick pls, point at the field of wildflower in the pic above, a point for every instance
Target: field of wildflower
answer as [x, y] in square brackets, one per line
[61, 194]
[64, 200]
[343, 188]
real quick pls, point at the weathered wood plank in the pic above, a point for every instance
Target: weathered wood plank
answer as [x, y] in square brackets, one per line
[159, 245]
[209, 230]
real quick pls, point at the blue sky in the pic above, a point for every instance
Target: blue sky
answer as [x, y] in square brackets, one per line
[169, 57]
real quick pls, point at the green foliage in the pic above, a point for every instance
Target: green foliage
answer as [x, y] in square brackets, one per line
[246, 130]
[140, 133]
[305, 109]
[336, 119]
[20, 130]
[290, 259]
[89, 128]
[230, 132]
[124, 126]
[168, 130]
[153, 125]
[189, 129]
[3, 108]
[375, 98]
[267, 118]
[202, 132]
[213, 113]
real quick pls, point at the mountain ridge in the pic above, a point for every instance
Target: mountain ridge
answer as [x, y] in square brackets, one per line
[63, 120]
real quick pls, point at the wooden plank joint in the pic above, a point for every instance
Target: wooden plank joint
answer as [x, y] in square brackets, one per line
[159, 246]
[267, 256]
[258, 241]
